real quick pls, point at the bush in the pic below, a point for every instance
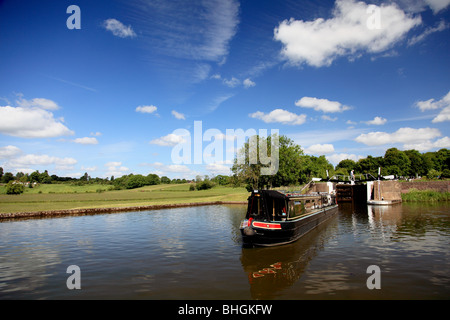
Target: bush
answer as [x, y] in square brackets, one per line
[14, 188]
[205, 185]
[433, 174]
[192, 187]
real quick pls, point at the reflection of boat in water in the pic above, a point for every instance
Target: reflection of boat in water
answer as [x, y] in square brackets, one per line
[277, 217]
[271, 270]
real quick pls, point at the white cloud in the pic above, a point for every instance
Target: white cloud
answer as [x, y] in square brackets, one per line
[218, 168]
[281, 116]
[233, 82]
[118, 28]
[30, 160]
[432, 104]
[406, 136]
[179, 169]
[338, 157]
[86, 140]
[323, 105]
[41, 103]
[440, 27]
[170, 140]
[115, 168]
[429, 145]
[444, 115]
[146, 109]
[113, 164]
[178, 115]
[199, 31]
[328, 118]
[354, 28]
[377, 121]
[31, 123]
[319, 149]
[218, 101]
[437, 5]
[249, 83]
[9, 152]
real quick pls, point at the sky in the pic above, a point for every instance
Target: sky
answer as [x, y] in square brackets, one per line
[139, 86]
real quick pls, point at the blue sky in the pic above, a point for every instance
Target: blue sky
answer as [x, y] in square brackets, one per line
[344, 79]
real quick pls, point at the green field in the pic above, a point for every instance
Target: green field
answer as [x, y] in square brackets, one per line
[68, 196]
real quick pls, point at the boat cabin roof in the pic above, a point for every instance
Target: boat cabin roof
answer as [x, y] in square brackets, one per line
[286, 195]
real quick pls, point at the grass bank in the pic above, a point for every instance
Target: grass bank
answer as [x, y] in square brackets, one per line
[68, 197]
[414, 195]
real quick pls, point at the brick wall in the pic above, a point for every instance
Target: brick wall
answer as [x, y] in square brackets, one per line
[441, 186]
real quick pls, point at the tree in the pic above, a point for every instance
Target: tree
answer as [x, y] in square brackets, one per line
[7, 177]
[135, 181]
[165, 180]
[416, 161]
[347, 165]
[14, 187]
[45, 178]
[290, 163]
[35, 177]
[396, 162]
[153, 179]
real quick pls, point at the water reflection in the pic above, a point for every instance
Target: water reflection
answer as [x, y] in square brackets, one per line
[272, 269]
[197, 253]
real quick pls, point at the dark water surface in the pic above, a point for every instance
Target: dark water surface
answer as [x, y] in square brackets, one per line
[196, 253]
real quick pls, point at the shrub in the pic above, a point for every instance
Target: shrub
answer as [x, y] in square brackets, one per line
[14, 188]
[205, 185]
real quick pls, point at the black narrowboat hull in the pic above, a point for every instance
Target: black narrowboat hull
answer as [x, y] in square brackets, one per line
[273, 233]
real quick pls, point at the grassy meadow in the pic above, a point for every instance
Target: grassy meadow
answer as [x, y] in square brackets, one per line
[70, 196]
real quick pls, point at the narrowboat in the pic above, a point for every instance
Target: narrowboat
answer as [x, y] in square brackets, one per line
[278, 217]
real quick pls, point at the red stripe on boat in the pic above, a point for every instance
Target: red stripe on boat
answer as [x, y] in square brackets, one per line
[266, 225]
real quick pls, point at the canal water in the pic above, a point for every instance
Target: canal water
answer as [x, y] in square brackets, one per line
[196, 253]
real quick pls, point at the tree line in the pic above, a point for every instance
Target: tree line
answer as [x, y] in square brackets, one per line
[297, 168]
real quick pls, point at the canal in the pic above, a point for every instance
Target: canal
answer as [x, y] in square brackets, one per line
[196, 253]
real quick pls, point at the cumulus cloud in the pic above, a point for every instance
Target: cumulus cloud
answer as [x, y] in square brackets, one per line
[178, 115]
[354, 28]
[444, 115]
[119, 29]
[31, 122]
[281, 116]
[170, 140]
[217, 168]
[146, 109]
[115, 168]
[41, 103]
[437, 5]
[419, 139]
[248, 83]
[9, 152]
[338, 157]
[233, 82]
[319, 149]
[432, 104]
[30, 160]
[86, 140]
[323, 105]
[429, 145]
[378, 121]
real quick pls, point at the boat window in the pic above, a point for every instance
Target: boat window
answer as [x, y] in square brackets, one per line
[296, 209]
[255, 208]
[276, 209]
